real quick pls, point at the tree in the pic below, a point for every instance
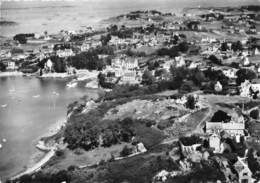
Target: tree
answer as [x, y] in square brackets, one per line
[254, 114]
[109, 137]
[178, 75]
[20, 38]
[2, 67]
[215, 60]
[237, 46]
[58, 64]
[112, 28]
[191, 102]
[148, 78]
[245, 74]
[105, 39]
[197, 76]
[126, 151]
[183, 47]
[224, 46]
[220, 116]
[172, 52]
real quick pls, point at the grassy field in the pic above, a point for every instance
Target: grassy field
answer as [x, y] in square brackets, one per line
[189, 124]
[138, 169]
[80, 158]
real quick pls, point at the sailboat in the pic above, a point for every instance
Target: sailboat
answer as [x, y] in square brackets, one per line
[4, 105]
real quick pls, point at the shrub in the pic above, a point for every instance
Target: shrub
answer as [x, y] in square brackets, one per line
[126, 151]
[220, 116]
[191, 102]
[59, 153]
[245, 74]
[2, 67]
[254, 114]
[215, 60]
[187, 141]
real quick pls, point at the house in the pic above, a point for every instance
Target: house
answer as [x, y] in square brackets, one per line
[187, 150]
[247, 88]
[180, 62]
[167, 65]
[231, 128]
[244, 173]
[194, 65]
[245, 53]
[230, 73]
[115, 40]
[49, 65]
[218, 87]
[124, 62]
[103, 56]
[87, 44]
[214, 142]
[65, 53]
[11, 65]
[129, 77]
[245, 61]
[256, 51]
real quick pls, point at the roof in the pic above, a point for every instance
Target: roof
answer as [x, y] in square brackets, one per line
[241, 164]
[225, 126]
[233, 126]
[213, 125]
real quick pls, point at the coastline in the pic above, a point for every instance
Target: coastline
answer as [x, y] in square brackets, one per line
[46, 148]
[13, 73]
[56, 75]
[47, 144]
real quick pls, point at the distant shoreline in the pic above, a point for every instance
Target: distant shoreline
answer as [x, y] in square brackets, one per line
[15, 73]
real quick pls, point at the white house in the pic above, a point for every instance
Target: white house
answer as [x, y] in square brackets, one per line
[244, 173]
[245, 61]
[214, 142]
[245, 88]
[218, 87]
[11, 65]
[49, 65]
[180, 62]
[124, 62]
[256, 51]
[129, 77]
[230, 73]
[65, 53]
[231, 128]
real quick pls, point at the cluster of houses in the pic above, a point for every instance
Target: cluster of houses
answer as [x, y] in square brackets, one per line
[124, 70]
[214, 133]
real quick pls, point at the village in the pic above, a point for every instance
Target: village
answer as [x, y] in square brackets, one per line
[210, 57]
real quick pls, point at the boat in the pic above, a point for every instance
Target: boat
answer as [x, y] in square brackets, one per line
[72, 84]
[4, 105]
[11, 90]
[36, 96]
[4, 140]
[1, 146]
[55, 93]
